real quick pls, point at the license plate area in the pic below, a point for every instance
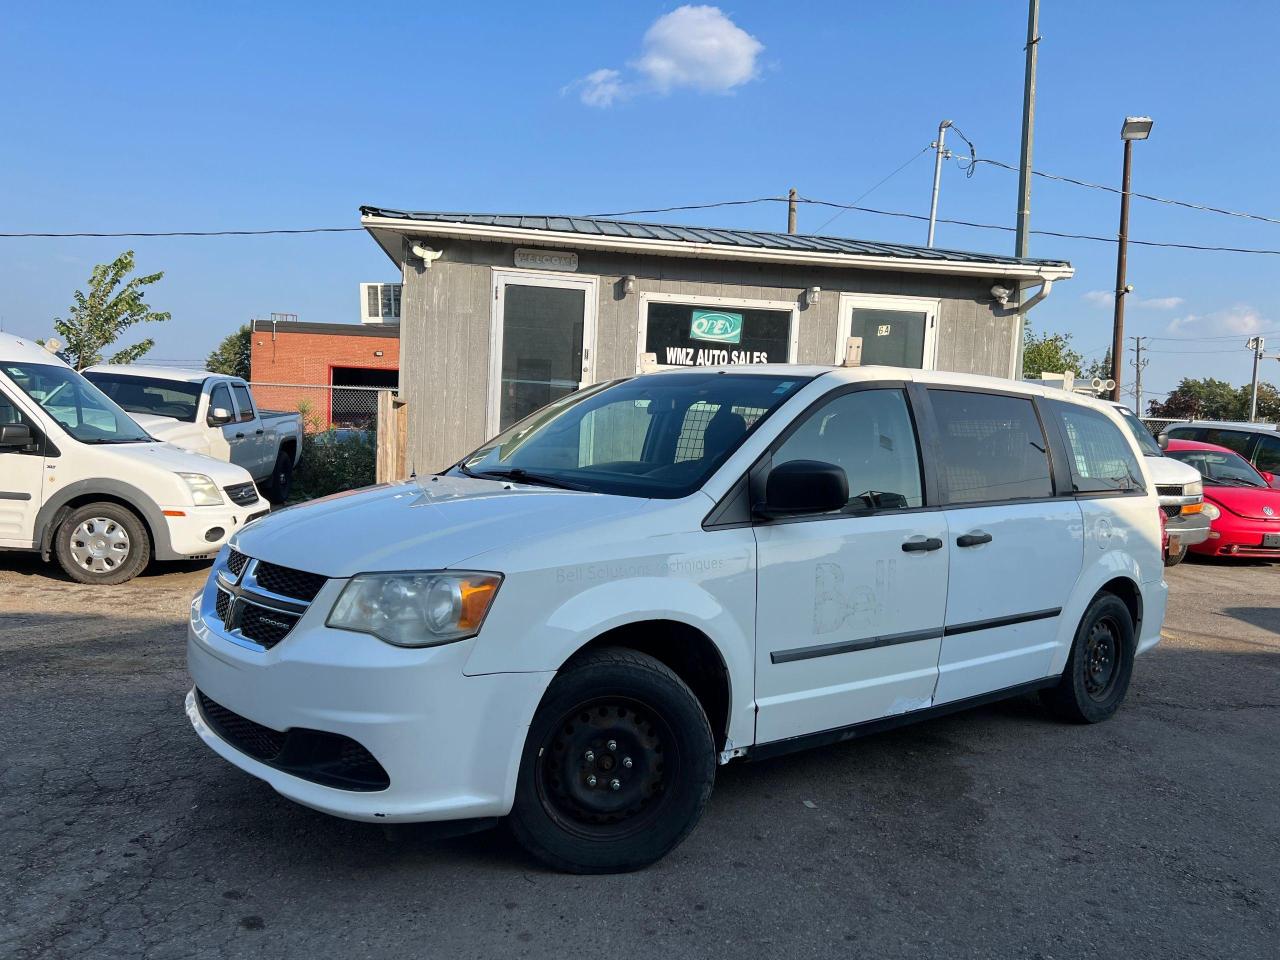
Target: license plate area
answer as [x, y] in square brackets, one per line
[1271, 540]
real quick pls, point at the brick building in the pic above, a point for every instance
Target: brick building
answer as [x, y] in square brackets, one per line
[297, 363]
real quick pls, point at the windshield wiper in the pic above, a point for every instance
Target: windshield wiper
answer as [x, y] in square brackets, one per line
[521, 475]
[1236, 482]
[119, 440]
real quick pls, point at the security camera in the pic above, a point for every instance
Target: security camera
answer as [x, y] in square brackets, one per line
[1001, 294]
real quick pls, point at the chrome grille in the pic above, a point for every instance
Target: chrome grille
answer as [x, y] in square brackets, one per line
[1169, 490]
[260, 603]
[242, 494]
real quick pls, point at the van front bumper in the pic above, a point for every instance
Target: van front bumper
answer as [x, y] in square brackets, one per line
[1188, 529]
[201, 531]
[449, 744]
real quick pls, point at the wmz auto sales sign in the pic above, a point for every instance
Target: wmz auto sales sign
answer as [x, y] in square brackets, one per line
[684, 335]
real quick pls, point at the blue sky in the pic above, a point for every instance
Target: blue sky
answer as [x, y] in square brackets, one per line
[238, 115]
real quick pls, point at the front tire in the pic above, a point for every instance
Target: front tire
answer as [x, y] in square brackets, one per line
[103, 544]
[617, 768]
[1097, 675]
[1174, 557]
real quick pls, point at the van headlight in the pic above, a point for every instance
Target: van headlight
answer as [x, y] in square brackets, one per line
[416, 609]
[204, 492]
[1194, 489]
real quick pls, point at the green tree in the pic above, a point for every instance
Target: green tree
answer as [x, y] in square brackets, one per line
[232, 356]
[1268, 402]
[1047, 353]
[1100, 369]
[1206, 399]
[99, 317]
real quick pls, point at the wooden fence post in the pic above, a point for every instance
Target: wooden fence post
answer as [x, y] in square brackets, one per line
[392, 437]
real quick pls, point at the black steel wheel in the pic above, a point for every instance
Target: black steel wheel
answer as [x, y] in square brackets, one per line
[1098, 671]
[281, 481]
[617, 766]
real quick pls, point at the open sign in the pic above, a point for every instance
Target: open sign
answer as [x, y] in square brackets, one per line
[718, 326]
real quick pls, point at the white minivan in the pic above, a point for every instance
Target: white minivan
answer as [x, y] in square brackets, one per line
[82, 482]
[575, 623]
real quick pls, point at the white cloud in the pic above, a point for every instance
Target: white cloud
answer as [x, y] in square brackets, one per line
[1241, 320]
[1105, 298]
[698, 47]
[692, 47]
[600, 88]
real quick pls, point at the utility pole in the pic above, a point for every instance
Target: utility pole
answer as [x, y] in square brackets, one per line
[791, 210]
[1256, 344]
[1022, 238]
[942, 154]
[1138, 365]
[1122, 256]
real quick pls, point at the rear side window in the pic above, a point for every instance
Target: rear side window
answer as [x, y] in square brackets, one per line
[1236, 440]
[1100, 455]
[991, 446]
[243, 401]
[1267, 456]
[870, 435]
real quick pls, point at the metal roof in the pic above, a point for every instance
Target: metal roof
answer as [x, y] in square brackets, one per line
[734, 239]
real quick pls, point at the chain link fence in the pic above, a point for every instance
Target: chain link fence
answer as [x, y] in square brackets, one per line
[323, 407]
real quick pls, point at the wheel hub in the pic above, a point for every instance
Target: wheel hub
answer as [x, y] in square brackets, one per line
[1101, 660]
[604, 763]
[99, 545]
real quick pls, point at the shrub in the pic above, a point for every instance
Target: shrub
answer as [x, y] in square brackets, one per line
[334, 461]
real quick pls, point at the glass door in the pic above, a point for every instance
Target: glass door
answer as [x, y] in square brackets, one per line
[895, 331]
[542, 342]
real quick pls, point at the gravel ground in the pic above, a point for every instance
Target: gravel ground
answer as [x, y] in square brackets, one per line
[997, 833]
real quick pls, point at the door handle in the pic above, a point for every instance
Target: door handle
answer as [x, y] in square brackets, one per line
[239, 436]
[258, 432]
[923, 545]
[972, 539]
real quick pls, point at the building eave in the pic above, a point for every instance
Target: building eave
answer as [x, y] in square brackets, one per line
[383, 229]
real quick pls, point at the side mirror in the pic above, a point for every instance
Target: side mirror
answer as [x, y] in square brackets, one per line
[1268, 476]
[14, 436]
[219, 416]
[801, 487]
[1163, 441]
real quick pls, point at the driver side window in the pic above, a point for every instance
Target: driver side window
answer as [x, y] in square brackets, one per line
[9, 413]
[220, 397]
[870, 435]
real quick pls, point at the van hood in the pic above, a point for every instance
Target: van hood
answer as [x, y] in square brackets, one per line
[1166, 471]
[173, 459]
[1249, 502]
[428, 523]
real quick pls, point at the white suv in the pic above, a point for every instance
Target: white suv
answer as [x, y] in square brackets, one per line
[82, 482]
[574, 624]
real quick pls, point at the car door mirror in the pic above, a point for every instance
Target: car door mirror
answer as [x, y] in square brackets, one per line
[220, 416]
[1268, 476]
[15, 436]
[802, 487]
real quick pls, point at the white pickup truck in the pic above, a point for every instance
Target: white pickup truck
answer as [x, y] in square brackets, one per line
[209, 413]
[82, 482]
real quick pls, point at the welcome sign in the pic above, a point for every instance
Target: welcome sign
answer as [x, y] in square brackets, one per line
[718, 326]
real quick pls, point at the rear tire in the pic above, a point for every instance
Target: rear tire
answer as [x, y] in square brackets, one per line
[281, 482]
[102, 543]
[1097, 675]
[617, 768]
[1172, 558]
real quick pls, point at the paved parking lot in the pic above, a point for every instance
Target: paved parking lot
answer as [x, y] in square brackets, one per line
[997, 833]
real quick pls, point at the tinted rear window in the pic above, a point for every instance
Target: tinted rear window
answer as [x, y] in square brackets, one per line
[992, 447]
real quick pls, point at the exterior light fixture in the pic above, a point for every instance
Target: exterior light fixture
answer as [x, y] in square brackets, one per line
[1000, 293]
[1136, 128]
[377, 353]
[629, 284]
[812, 295]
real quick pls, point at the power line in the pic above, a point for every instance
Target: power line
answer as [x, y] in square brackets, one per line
[881, 183]
[194, 233]
[1186, 204]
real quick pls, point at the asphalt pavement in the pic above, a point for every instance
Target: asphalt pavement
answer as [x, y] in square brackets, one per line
[996, 833]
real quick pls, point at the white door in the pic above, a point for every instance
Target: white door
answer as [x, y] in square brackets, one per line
[895, 331]
[1015, 547]
[541, 342]
[21, 481]
[850, 605]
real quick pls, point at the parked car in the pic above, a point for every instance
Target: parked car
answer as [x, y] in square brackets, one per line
[1242, 505]
[82, 482]
[209, 413]
[573, 625]
[1179, 488]
[1259, 443]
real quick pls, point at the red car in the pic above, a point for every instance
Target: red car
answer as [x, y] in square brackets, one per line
[1242, 507]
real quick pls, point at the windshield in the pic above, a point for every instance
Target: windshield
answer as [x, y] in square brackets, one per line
[658, 436]
[1227, 469]
[78, 406]
[161, 398]
[1146, 442]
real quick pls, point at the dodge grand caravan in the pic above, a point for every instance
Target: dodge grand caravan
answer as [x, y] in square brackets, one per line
[574, 624]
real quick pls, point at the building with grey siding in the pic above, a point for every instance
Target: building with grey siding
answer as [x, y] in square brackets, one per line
[503, 314]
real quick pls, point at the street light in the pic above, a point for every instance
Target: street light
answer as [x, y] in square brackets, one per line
[1134, 128]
